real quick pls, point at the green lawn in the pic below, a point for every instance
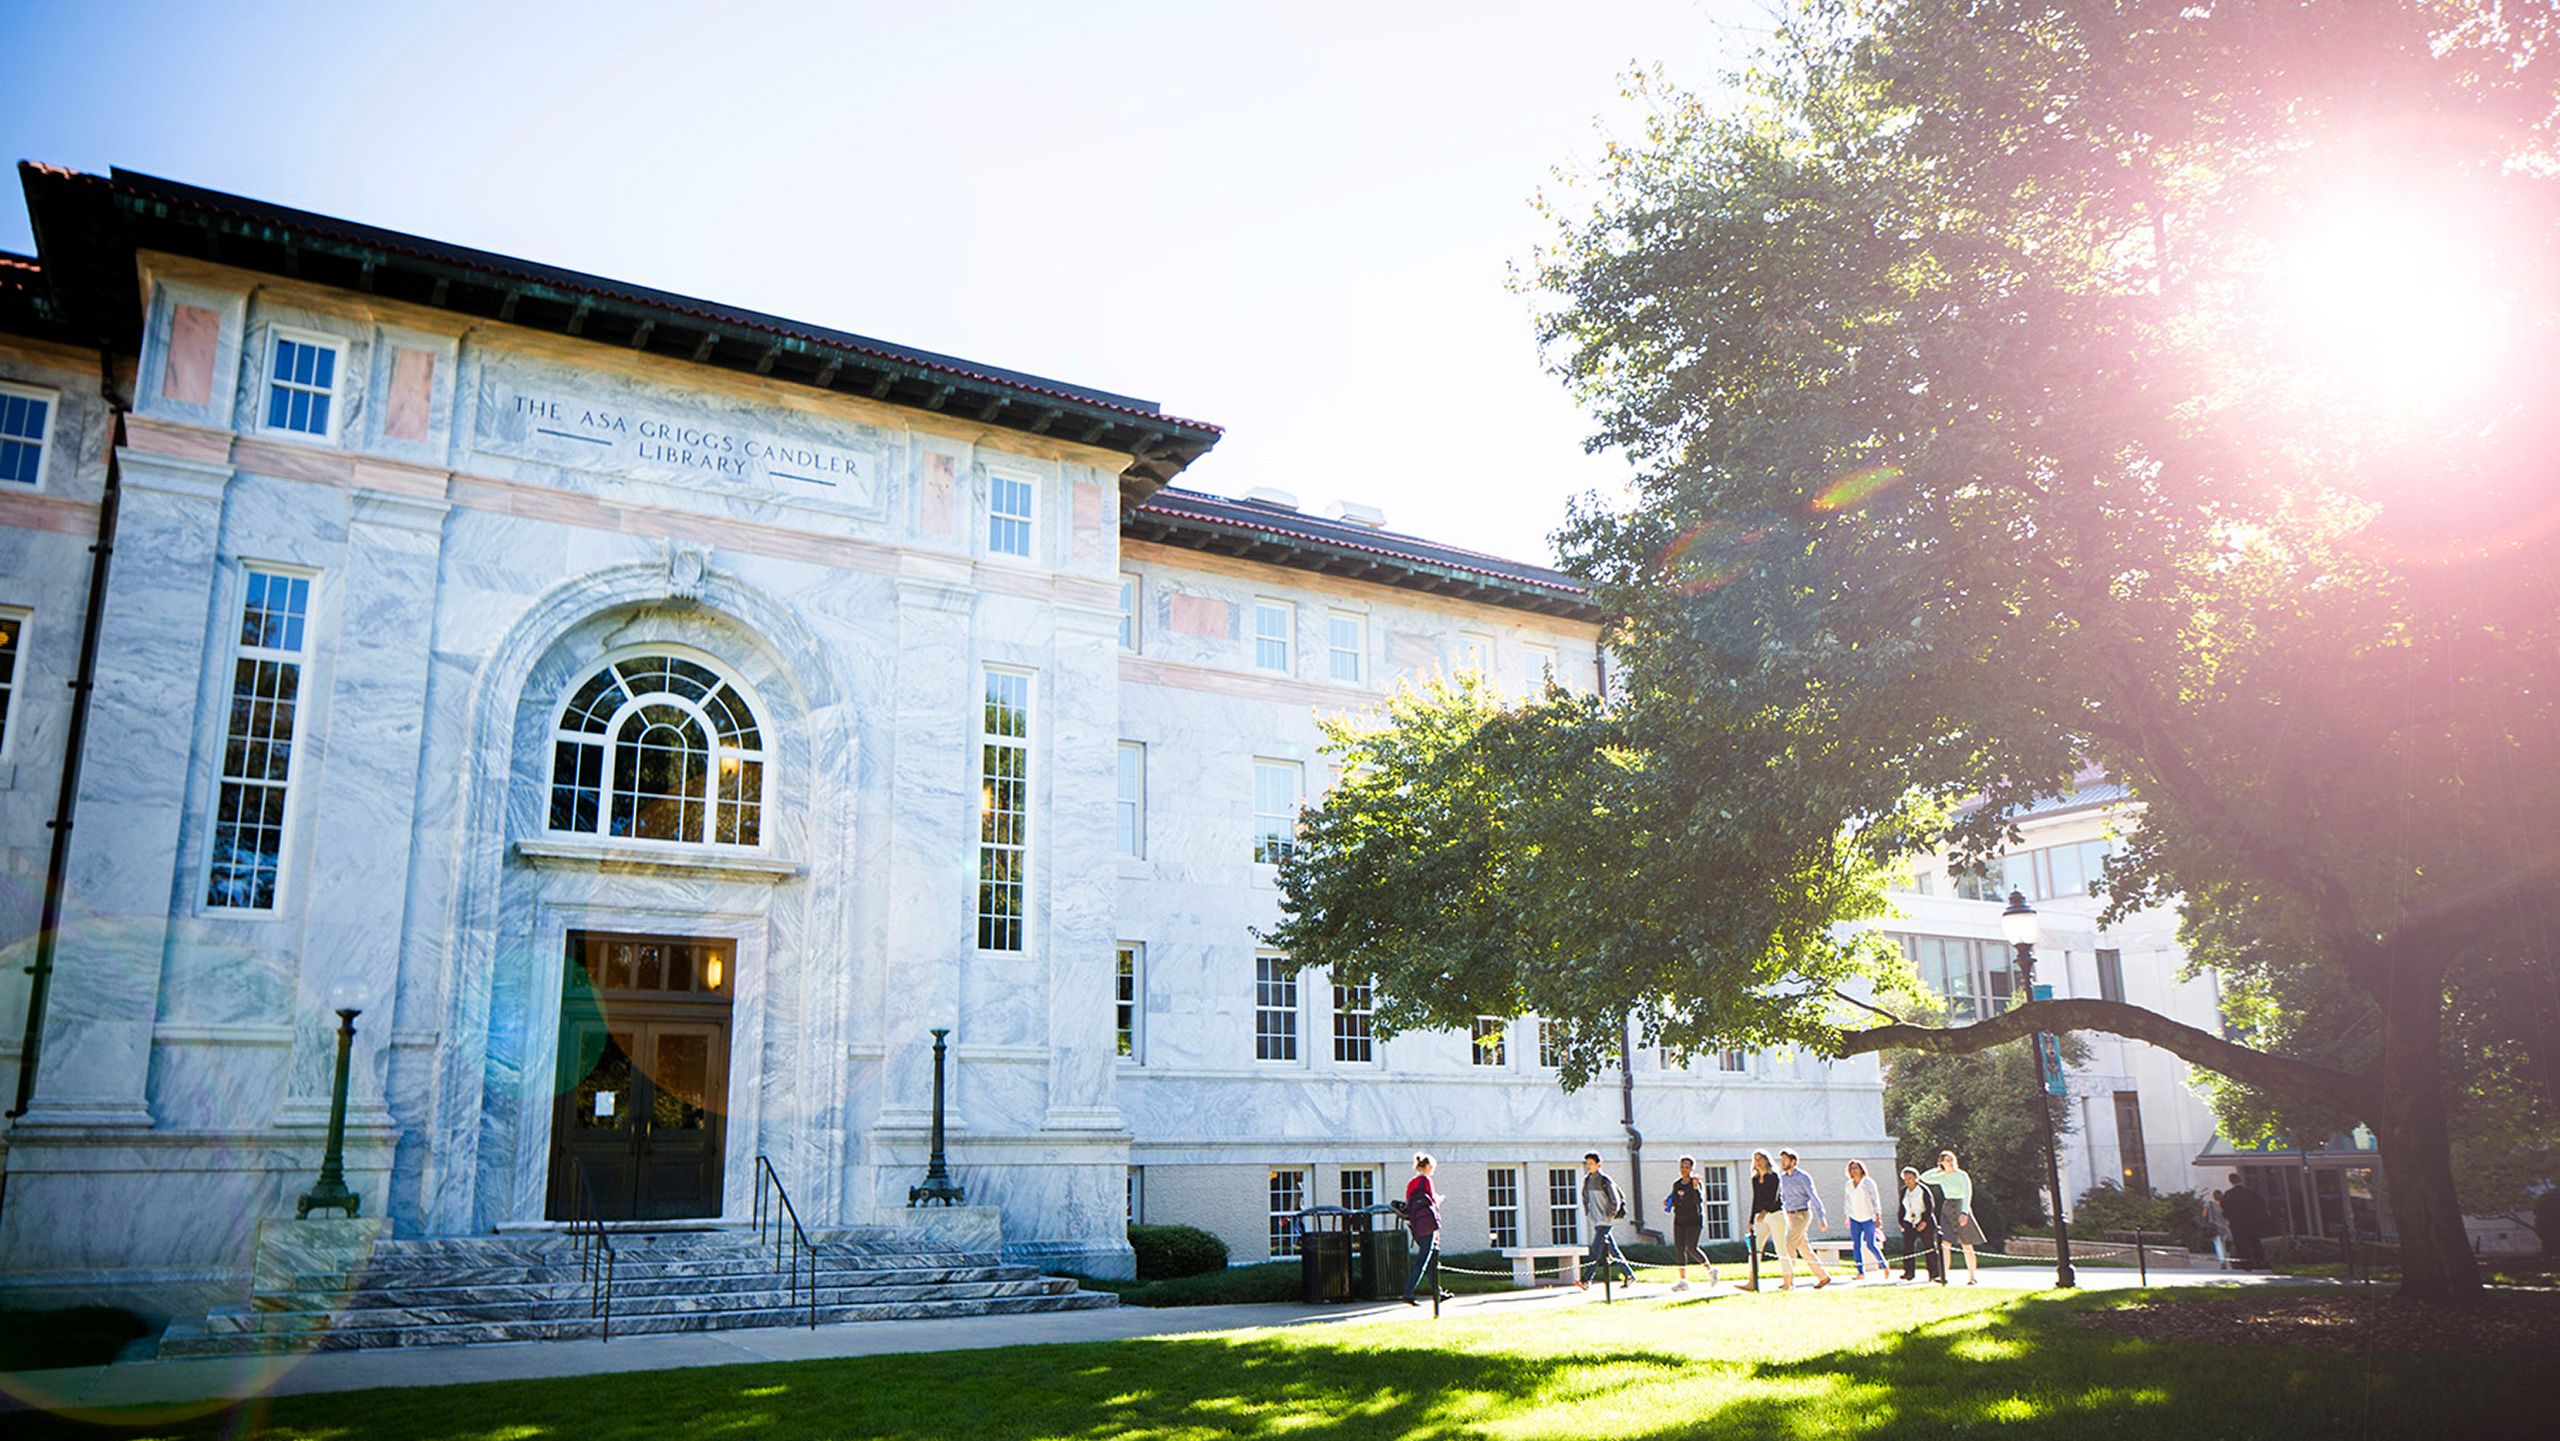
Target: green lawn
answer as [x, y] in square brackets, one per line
[1884, 1364]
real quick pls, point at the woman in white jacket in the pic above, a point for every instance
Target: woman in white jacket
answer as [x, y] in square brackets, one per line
[1865, 1209]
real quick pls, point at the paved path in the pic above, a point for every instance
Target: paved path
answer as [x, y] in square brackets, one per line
[156, 1383]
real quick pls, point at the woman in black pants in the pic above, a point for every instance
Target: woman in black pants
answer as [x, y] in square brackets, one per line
[1767, 1218]
[1688, 1207]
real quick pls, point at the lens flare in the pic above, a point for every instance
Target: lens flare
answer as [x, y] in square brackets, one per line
[1857, 487]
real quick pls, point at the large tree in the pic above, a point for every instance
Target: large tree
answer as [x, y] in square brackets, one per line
[2003, 401]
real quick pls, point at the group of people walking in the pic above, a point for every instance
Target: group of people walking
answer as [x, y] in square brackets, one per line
[1936, 1213]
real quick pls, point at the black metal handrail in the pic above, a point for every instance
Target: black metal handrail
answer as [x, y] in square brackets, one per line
[779, 1210]
[594, 1247]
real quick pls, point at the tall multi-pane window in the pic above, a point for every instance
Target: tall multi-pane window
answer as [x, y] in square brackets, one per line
[302, 383]
[1128, 988]
[1279, 790]
[1275, 1010]
[1137, 1195]
[1550, 1043]
[1975, 977]
[1564, 1206]
[2110, 975]
[1128, 610]
[658, 748]
[1004, 809]
[12, 625]
[1273, 621]
[257, 743]
[1288, 1197]
[1359, 1188]
[1490, 1042]
[1734, 1061]
[1009, 510]
[1715, 1191]
[1475, 653]
[1132, 804]
[26, 419]
[2043, 874]
[1353, 1041]
[2131, 1156]
[1502, 1205]
[1346, 641]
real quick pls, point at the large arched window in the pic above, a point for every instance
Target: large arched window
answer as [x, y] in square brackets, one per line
[658, 748]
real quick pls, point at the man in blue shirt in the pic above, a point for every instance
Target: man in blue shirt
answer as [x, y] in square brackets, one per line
[1803, 1205]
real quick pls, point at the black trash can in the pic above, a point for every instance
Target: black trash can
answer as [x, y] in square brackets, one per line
[1385, 1255]
[1324, 1254]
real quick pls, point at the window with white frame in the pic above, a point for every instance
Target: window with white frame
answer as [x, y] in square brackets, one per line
[1274, 622]
[657, 747]
[1490, 1043]
[1137, 1195]
[1733, 1061]
[1975, 977]
[1128, 989]
[1353, 1040]
[1715, 1191]
[1543, 668]
[1004, 809]
[13, 625]
[302, 382]
[1672, 1060]
[257, 743]
[1359, 1188]
[1502, 1205]
[1132, 805]
[1275, 1010]
[1346, 640]
[1288, 1197]
[1129, 592]
[1564, 1205]
[1010, 499]
[26, 423]
[1279, 791]
[1475, 653]
[1550, 1043]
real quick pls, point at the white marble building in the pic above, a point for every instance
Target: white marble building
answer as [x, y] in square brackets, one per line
[653, 718]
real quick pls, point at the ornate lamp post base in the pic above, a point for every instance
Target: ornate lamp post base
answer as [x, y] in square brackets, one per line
[938, 1188]
[330, 1192]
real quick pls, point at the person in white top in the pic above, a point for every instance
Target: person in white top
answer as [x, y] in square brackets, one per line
[1865, 1208]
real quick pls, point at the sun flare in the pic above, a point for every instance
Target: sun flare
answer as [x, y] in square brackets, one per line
[2393, 302]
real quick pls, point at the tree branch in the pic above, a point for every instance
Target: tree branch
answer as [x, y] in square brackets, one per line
[2116, 1018]
[2450, 928]
[1840, 994]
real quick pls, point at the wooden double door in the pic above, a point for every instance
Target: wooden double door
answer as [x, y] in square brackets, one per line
[641, 1100]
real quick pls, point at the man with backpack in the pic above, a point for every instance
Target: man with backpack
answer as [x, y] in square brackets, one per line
[1602, 1208]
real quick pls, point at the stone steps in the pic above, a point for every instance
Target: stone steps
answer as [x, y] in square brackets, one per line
[530, 1287]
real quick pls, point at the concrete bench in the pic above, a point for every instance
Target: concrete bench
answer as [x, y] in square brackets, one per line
[1524, 1262]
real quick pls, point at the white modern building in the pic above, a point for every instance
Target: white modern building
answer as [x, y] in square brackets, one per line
[653, 719]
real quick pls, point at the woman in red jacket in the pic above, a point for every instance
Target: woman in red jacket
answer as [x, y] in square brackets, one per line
[1422, 1213]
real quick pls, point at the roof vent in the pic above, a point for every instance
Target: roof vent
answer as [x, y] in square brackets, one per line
[1352, 512]
[1272, 496]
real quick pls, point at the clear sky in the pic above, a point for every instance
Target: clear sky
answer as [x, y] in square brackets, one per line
[1292, 220]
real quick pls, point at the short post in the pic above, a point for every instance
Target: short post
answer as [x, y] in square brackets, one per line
[1435, 1279]
[2141, 1265]
[938, 1188]
[330, 1192]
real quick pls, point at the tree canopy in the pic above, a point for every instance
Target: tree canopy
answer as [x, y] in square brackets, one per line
[2003, 403]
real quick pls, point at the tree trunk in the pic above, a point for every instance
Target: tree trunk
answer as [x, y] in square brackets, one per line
[2417, 1153]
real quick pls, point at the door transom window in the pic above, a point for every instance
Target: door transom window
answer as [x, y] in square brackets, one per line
[658, 748]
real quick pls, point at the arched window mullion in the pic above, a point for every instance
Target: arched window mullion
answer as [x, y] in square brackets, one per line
[702, 788]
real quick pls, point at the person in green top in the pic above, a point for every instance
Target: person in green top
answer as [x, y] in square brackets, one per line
[1956, 1226]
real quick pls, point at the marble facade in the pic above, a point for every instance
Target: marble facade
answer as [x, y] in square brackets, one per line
[493, 513]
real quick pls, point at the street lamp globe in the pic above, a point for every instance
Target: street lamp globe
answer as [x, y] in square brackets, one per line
[2018, 922]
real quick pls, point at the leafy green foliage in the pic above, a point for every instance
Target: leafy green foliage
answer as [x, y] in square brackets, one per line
[1554, 857]
[1986, 1108]
[2108, 1207]
[1165, 1252]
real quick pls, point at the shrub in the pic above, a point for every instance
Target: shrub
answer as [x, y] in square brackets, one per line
[1165, 1252]
[2108, 1207]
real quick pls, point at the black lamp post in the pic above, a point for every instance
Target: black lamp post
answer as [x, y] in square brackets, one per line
[2018, 923]
[938, 1188]
[330, 1191]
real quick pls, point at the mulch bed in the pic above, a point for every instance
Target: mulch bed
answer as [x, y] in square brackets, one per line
[2331, 1321]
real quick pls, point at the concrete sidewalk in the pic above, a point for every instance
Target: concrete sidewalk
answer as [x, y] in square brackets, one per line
[169, 1383]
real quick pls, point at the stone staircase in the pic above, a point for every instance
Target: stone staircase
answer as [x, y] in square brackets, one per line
[531, 1287]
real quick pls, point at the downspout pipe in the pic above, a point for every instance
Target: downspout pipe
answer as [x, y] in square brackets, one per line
[67, 798]
[1635, 1138]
